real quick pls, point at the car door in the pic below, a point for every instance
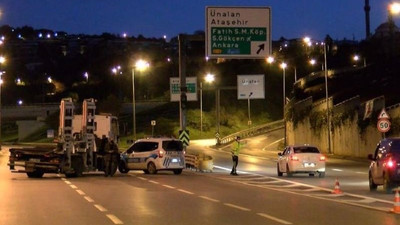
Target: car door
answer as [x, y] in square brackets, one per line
[377, 164]
[283, 160]
[135, 155]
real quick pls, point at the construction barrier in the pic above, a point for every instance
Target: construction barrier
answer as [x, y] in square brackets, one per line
[202, 163]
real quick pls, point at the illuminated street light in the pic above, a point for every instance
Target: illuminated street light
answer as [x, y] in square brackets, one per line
[357, 58]
[2, 59]
[394, 8]
[86, 75]
[140, 65]
[209, 78]
[283, 66]
[270, 60]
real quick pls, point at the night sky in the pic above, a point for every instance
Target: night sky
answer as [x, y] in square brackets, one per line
[155, 18]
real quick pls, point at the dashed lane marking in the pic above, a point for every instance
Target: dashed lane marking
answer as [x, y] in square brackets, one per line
[114, 219]
[73, 186]
[154, 182]
[168, 186]
[338, 170]
[209, 199]
[237, 207]
[89, 199]
[186, 192]
[80, 192]
[67, 182]
[100, 208]
[274, 218]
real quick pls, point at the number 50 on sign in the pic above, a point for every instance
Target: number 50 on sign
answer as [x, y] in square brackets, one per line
[383, 125]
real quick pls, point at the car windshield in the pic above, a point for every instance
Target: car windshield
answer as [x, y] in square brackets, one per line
[172, 145]
[395, 146]
[306, 150]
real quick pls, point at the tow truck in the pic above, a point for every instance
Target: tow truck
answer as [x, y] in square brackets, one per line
[78, 149]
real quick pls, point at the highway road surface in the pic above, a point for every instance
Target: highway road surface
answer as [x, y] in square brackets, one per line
[256, 196]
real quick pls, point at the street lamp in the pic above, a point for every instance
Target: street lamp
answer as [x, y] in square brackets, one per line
[209, 78]
[86, 75]
[140, 65]
[357, 58]
[248, 108]
[283, 66]
[1, 83]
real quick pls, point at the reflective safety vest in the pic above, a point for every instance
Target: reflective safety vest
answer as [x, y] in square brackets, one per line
[236, 146]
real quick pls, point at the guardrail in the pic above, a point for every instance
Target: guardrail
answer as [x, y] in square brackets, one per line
[203, 163]
[262, 129]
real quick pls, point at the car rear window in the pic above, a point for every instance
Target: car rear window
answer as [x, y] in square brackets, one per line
[395, 146]
[172, 145]
[306, 150]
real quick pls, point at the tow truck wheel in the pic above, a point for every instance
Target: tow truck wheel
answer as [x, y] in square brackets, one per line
[35, 174]
[122, 167]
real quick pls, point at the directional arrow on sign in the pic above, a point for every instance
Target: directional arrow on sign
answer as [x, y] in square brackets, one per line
[184, 137]
[260, 47]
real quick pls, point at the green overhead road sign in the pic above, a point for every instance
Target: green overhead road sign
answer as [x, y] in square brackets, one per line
[238, 32]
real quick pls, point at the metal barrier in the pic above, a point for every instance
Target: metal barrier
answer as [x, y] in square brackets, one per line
[203, 163]
[262, 129]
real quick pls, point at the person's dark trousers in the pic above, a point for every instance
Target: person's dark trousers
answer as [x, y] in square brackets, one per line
[235, 160]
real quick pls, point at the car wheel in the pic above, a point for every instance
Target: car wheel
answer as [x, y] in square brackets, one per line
[122, 167]
[387, 185]
[36, 174]
[288, 172]
[151, 167]
[178, 171]
[278, 170]
[321, 174]
[311, 174]
[372, 185]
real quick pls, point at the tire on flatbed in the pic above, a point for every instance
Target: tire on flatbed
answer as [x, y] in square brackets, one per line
[35, 174]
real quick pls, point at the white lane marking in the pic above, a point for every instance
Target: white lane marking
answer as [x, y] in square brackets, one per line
[338, 170]
[73, 186]
[272, 144]
[167, 186]
[67, 182]
[100, 208]
[209, 199]
[273, 218]
[80, 192]
[114, 219]
[89, 199]
[237, 207]
[362, 172]
[63, 179]
[227, 169]
[186, 192]
[154, 182]
[142, 178]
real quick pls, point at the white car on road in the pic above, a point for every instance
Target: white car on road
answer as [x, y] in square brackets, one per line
[301, 159]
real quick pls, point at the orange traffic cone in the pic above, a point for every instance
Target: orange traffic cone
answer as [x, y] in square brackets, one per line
[337, 188]
[396, 205]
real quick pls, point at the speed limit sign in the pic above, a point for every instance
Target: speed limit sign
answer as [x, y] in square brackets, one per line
[383, 125]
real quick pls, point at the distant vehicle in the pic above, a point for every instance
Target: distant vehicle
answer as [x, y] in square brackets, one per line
[301, 159]
[385, 165]
[152, 155]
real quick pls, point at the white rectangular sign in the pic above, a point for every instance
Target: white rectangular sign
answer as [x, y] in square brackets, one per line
[238, 32]
[175, 89]
[250, 86]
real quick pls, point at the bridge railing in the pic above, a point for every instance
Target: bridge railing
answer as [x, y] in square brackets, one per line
[254, 131]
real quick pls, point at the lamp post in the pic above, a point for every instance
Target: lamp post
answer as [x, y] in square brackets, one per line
[209, 78]
[140, 65]
[248, 108]
[283, 66]
[326, 99]
[2, 61]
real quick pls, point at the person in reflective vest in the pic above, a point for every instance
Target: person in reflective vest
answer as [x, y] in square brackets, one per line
[236, 146]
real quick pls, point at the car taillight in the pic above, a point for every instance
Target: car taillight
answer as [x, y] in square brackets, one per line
[294, 158]
[161, 153]
[322, 158]
[390, 163]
